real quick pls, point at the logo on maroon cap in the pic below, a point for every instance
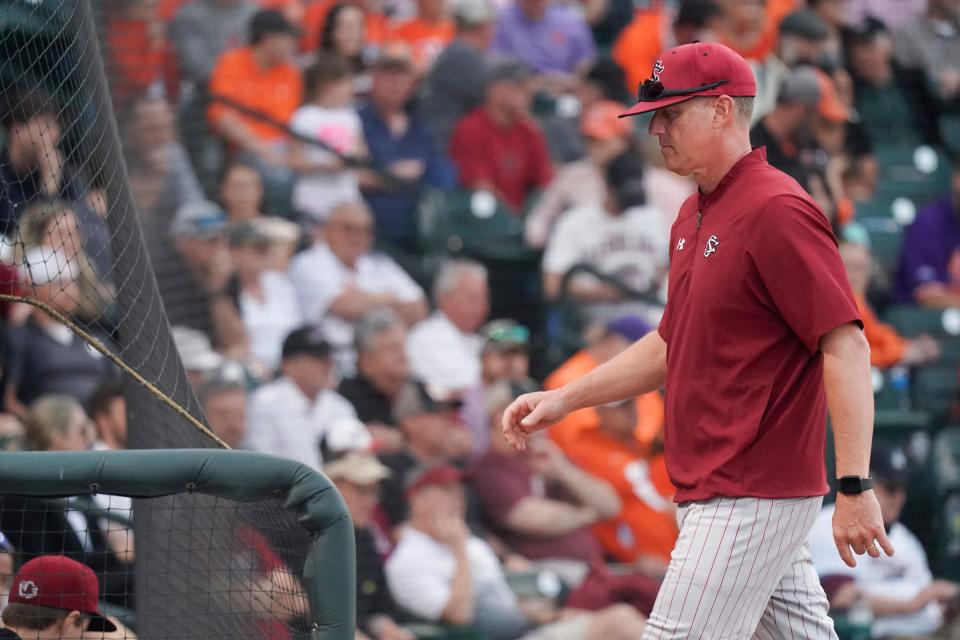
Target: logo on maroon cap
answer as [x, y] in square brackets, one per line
[657, 70]
[28, 590]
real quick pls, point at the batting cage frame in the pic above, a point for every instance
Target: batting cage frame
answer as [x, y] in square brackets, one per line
[329, 571]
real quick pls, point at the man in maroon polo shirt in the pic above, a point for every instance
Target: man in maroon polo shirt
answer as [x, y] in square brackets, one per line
[498, 146]
[760, 336]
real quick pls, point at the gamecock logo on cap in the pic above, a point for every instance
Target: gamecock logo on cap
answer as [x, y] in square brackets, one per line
[657, 70]
[28, 590]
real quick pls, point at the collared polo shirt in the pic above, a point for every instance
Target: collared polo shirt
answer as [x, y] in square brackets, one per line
[755, 281]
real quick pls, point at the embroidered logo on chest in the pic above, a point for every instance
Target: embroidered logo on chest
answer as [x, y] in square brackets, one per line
[712, 243]
[680, 244]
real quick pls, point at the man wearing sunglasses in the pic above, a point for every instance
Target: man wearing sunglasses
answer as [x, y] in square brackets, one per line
[759, 337]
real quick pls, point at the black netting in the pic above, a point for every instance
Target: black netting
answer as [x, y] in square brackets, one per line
[73, 247]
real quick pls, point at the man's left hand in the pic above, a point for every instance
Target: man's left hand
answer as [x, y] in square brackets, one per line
[858, 525]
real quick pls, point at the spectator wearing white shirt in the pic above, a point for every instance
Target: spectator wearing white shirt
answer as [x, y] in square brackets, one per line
[444, 350]
[266, 299]
[299, 416]
[442, 573]
[624, 238]
[900, 590]
[340, 279]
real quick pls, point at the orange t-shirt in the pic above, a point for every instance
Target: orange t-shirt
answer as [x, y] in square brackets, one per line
[426, 39]
[275, 92]
[647, 525]
[374, 24]
[886, 346]
[638, 46]
[564, 433]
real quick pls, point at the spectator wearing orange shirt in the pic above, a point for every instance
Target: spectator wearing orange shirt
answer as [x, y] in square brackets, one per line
[640, 43]
[260, 77]
[615, 337]
[263, 79]
[427, 34]
[646, 529]
[887, 348]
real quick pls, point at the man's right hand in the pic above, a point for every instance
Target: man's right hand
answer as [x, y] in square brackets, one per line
[532, 412]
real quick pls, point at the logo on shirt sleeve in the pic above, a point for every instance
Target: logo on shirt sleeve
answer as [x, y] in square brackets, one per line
[712, 243]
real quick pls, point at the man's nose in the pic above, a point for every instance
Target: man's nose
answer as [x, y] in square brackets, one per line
[655, 128]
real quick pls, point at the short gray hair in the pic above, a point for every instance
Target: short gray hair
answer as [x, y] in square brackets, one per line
[450, 273]
[373, 325]
[743, 107]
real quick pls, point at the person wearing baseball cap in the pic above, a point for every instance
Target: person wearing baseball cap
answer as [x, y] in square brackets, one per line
[299, 415]
[760, 335]
[53, 597]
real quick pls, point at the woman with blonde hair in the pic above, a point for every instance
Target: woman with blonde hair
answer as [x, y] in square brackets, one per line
[53, 225]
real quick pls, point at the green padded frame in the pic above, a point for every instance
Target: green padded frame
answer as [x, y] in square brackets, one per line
[329, 572]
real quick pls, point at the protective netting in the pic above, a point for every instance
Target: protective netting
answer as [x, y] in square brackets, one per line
[73, 250]
[223, 570]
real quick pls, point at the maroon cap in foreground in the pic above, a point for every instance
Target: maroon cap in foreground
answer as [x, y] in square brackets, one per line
[58, 582]
[690, 70]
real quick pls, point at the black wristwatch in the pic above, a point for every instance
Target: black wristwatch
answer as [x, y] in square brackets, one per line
[853, 485]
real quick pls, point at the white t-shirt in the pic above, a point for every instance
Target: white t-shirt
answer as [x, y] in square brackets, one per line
[319, 277]
[442, 355]
[285, 423]
[632, 246]
[317, 194]
[420, 573]
[269, 321]
[899, 578]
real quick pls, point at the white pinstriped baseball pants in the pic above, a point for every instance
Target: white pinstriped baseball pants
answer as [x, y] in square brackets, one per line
[741, 569]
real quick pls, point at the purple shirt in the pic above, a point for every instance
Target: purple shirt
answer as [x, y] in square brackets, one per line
[558, 42]
[927, 245]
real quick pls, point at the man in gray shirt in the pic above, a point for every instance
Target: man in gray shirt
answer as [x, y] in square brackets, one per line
[457, 81]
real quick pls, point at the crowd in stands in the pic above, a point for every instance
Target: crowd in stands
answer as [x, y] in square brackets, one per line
[291, 162]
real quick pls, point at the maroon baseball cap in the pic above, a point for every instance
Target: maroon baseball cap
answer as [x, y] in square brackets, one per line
[438, 475]
[696, 69]
[60, 583]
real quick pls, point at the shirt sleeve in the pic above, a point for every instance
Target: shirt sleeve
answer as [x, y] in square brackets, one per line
[584, 46]
[400, 282]
[796, 258]
[261, 436]
[417, 583]
[920, 258]
[498, 492]
[561, 253]
[317, 285]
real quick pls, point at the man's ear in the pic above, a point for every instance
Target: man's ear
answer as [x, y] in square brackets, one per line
[723, 111]
[75, 619]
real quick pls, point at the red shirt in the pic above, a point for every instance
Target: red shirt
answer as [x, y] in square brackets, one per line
[500, 481]
[514, 159]
[751, 292]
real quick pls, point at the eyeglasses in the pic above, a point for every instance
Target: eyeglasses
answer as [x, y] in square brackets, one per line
[652, 89]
